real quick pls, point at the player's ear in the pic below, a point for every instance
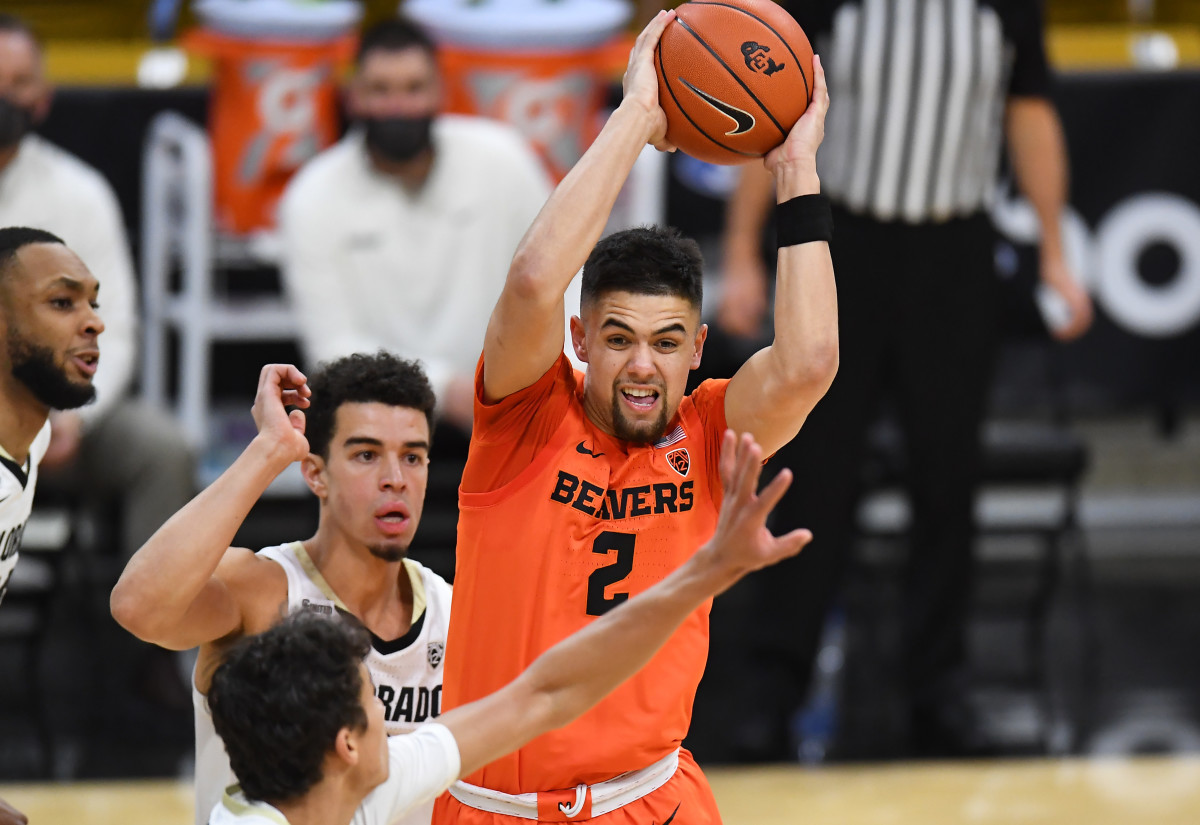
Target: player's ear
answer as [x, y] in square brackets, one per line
[313, 470]
[701, 337]
[578, 341]
[345, 746]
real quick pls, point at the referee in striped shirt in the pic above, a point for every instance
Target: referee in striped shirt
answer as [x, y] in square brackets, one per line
[924, 94]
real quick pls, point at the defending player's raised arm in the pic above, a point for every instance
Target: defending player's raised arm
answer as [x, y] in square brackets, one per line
[525, 333]
[773, 392]
[578, 672]
[171, 592]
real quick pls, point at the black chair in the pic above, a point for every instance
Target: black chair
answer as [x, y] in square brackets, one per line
[1039, 455]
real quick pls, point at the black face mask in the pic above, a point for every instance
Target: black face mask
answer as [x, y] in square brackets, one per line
[15, 123]
[399, 139]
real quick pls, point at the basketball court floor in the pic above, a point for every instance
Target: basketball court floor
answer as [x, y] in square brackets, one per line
[1146, 791]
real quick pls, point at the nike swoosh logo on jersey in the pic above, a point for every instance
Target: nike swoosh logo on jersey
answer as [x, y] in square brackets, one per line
[744, 121]
[579, 448]
[668, 820]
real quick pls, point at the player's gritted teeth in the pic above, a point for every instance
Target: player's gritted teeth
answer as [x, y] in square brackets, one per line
[86, 361]
[640, 399]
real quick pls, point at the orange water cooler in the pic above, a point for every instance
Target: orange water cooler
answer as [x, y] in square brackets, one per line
[274, 97]
[541, 65]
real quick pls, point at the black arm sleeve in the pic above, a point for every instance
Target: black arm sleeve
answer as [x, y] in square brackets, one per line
[1031, 69]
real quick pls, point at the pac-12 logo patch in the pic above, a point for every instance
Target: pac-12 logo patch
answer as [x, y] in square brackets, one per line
[434, 653]
[680, 461]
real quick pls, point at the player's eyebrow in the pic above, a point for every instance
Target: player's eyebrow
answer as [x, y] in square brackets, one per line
[67, 282]
[613, 322]
[356, 440]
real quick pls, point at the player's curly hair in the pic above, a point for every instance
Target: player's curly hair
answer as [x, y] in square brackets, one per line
[279, 699]
[645, 260]
[360, 378]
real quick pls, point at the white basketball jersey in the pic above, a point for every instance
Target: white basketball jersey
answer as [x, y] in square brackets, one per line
[16, 501]
[407, 671]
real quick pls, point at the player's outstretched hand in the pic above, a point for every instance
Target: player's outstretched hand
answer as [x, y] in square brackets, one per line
[280, 386]
[806, 136]
[742, 541]
[10, 815]
[640, 84]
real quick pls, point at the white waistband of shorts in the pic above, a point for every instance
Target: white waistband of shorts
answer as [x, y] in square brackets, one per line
[606, 796]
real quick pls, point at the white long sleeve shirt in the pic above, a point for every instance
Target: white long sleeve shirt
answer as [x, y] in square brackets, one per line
[371, 264]
[47, 188]
[420, 766]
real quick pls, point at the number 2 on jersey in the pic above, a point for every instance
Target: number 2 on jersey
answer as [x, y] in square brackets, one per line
[597, 603]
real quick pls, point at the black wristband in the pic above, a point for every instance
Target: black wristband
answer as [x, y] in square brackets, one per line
[803, 219]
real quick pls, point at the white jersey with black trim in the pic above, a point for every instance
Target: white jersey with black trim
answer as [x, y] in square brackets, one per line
[420, 766]
[17, 482]
[407, 671]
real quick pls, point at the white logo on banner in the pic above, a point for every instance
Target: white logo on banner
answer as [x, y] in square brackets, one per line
[1107, 259]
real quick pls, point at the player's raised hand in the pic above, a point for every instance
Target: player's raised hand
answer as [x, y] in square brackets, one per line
[742, 540]
[281, 386]
[640, 83]
[806, 136]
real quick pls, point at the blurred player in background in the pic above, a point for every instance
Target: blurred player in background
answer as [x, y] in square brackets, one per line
[582, 490]
[119, 452]
[927, 93]
[363, 443]
[51, 329]
[399, 236]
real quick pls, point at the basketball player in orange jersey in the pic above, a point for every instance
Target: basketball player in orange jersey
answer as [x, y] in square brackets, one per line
[583, 490]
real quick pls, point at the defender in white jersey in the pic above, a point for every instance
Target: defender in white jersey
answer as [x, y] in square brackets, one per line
[304, 729]
[50, 351]
[49, 331]
[362, 435]
[407, 672]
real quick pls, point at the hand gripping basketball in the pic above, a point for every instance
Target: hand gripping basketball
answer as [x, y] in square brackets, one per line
[640, 83]
[806, 136]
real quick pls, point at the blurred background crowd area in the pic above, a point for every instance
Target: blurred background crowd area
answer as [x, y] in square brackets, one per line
[99, 43]
[1085, 623]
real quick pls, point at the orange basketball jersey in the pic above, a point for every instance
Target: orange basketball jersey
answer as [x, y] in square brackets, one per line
[560, 522]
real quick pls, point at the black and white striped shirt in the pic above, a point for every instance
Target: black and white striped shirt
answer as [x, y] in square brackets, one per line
[917, 90]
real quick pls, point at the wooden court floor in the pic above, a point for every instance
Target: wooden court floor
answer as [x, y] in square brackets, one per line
[1145, 791]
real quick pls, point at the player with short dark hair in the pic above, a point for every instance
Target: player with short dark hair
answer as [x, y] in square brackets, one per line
[582, 490]
[645, 260]
[366, 458]
[296, 710]
[49, 349]
[50, 327]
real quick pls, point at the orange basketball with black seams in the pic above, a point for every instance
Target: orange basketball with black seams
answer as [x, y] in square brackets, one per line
[734, 76]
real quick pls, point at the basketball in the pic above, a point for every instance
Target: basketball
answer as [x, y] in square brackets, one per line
[733, 78]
